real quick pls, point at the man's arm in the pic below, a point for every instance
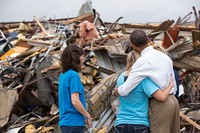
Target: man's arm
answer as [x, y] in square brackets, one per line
[174, 80]
[161, 95]
[140, 70]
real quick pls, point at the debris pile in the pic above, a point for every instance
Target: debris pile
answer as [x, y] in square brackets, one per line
[29, 62]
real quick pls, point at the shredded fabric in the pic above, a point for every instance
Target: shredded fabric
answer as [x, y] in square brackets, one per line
[87, 33]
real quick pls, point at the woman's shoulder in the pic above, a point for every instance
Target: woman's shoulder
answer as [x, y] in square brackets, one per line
[70, 73]
[73, 73]
[120, 79]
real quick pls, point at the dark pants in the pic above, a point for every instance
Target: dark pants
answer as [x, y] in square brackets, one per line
[72, 129]
[131, 128]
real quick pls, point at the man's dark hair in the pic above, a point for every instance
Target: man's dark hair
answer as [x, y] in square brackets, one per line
[70, 58]
[139, 38]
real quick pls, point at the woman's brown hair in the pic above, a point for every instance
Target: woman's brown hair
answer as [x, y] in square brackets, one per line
[131, 58]
[70, 58]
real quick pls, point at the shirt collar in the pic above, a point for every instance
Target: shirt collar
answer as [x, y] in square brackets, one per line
[147, 49]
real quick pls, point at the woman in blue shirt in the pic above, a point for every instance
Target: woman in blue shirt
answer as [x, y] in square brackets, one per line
[72, 104]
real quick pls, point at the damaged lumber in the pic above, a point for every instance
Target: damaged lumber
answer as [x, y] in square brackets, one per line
[185, 117]
[30, 69]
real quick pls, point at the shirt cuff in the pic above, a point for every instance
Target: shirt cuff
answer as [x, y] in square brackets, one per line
[120, 91]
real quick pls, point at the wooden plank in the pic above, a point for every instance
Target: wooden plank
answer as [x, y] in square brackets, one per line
[100, 105]
[79, 18]
[179, 44]
[41, 26]
[97, 96]
[195, 35]
[185, 117]
[101, 99]
[189, 63]
[152, 26]
[105, 81]
[32, 55]
[8, 53]
[37, 43]
[162, 27]
[99, 68]
[104, 118]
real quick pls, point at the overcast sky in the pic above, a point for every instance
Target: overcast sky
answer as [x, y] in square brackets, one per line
[133, 11]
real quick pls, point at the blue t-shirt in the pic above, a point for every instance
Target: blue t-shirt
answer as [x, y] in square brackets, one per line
[133, 108]
[69, 83]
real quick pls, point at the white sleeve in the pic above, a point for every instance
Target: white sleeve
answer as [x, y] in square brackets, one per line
[140, 70]
[174, 80]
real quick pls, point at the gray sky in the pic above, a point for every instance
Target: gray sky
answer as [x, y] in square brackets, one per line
[133, 11]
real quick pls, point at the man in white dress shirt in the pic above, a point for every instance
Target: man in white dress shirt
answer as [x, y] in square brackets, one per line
[164, 116]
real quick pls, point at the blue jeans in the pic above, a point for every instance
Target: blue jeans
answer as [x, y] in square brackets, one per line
[72, 129]
[131, 128]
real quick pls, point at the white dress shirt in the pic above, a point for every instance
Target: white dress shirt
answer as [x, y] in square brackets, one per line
[153, 64]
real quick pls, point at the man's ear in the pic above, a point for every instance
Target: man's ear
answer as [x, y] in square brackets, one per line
[133, 46]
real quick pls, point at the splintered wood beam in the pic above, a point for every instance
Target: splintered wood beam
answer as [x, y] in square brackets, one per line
[100, 100]
[79, 18]
[189, 63]
[41, 26]
[53, 67]
[99, 68]
[185, 117]
[36, 43]
[162, 27]
[31, 56]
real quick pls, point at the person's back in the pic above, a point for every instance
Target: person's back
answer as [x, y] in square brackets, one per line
[161, 66]
[133, 108]
[68, 114]
[72, 105]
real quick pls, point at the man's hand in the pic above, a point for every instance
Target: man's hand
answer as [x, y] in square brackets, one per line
[115, 90]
